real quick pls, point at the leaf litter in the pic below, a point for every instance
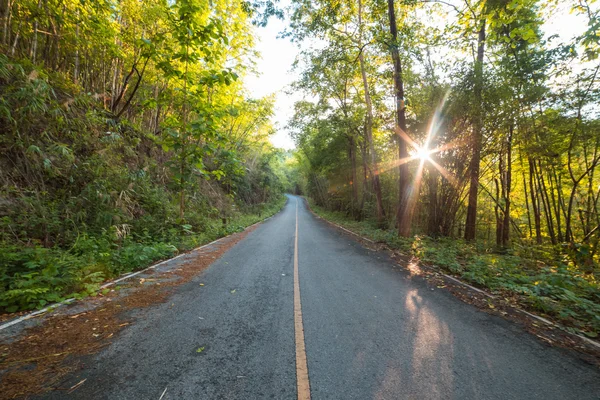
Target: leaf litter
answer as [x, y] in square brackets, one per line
[43, 356]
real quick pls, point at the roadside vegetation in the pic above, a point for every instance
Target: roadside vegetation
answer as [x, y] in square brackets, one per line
[126, 137]
[466, 134]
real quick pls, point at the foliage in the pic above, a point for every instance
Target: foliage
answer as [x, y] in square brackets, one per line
[32, 277]
[127, 136]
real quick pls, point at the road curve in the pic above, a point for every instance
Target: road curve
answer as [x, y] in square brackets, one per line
[370, 332]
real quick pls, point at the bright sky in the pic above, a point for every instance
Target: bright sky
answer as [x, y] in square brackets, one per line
[276, 74]
[275, 67]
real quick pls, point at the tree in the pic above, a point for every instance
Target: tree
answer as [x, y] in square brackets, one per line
[476, 141]
[405, 210]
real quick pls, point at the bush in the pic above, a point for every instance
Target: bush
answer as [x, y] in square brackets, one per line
[34, 277]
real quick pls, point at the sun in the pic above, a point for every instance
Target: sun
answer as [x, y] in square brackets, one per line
[423, 153]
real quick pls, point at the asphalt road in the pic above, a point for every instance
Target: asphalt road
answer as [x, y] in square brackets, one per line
[371, 332]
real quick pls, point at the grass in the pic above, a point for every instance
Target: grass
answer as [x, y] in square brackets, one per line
[538, 278]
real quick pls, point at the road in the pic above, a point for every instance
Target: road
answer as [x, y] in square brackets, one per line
[370, 332]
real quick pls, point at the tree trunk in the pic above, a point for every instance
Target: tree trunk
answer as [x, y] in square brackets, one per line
[7, 18]
[16, 41]
[405, 208]
[365, 178]
[184, 135]
[369, 130]
[499, 219]
[135, 89]
[34, 42]
[507, 189]
[535, 202]
[76, 69]
[546, 203]
[433, 224]
[555, 202]
[470, 225]
[353, 176]
[529, 224]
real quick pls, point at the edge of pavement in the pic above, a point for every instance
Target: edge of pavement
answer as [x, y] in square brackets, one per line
[434, 269]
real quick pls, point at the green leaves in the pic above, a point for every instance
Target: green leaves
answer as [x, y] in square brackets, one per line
[113, 126]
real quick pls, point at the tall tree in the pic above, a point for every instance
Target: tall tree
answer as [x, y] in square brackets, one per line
[369, 121]
[405, 210]
[477, 133]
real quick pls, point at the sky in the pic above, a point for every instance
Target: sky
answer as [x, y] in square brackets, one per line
[276, 75]
[278, 55]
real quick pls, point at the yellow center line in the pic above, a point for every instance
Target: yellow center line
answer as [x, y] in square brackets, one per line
[302, 382]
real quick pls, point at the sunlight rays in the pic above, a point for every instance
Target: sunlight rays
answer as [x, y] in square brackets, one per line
[423, 152]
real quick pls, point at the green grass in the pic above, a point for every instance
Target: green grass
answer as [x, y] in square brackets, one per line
[33, 277]
[539, 278]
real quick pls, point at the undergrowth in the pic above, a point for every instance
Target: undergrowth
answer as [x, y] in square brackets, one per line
[35, 276]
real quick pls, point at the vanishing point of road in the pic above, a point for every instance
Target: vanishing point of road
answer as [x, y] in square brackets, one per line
[298, 310]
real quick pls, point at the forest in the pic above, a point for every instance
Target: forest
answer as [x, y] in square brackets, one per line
[127, 137]
[465, 134]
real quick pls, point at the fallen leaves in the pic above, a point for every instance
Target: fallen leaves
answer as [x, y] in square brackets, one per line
[35, 362]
